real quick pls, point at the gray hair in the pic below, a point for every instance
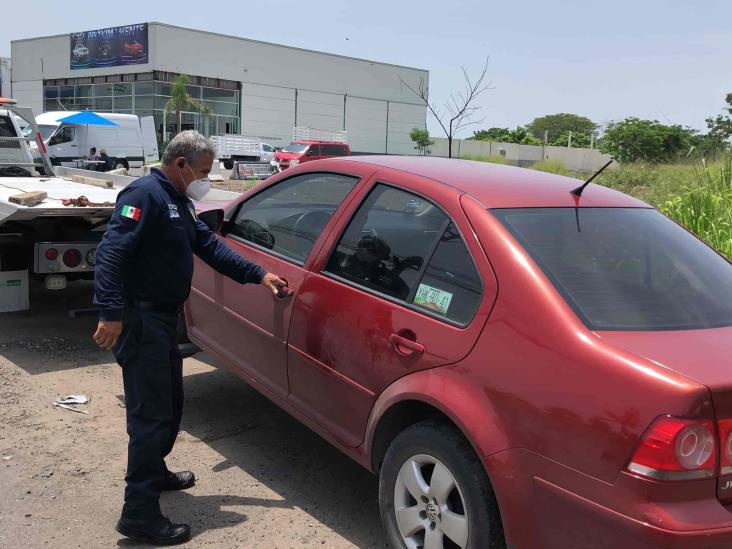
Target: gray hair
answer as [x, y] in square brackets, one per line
[189, 144]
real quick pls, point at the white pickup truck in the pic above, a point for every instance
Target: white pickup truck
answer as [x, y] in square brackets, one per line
[233, 147]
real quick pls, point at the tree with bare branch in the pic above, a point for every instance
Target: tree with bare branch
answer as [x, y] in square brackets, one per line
[458, 111]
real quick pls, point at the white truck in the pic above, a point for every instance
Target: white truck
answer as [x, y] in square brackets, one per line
[131, 142]
[234, 147]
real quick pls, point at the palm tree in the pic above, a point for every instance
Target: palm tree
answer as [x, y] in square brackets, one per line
[181, 100]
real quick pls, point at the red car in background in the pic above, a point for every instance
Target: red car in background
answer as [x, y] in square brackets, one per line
[298, 152]
[521, 366]
[133, 48]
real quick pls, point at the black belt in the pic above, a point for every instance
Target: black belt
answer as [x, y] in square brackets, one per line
[155, 306]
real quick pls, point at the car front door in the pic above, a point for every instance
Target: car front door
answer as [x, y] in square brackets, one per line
[404, 287]
[277, 228]
[313, 153]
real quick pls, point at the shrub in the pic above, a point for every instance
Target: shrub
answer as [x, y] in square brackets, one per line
[706, 209]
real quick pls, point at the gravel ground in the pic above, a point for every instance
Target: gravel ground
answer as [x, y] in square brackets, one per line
[264, 480]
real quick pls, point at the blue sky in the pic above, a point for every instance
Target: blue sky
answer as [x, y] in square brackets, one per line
[661, 59]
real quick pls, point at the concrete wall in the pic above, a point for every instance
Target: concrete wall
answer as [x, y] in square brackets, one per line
[522, 155]
[281, 86]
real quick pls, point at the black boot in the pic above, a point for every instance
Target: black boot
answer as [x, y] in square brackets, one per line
[158, 530]
[179, 481]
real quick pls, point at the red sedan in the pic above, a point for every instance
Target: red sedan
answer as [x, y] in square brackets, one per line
[133, 48]
[521, 367]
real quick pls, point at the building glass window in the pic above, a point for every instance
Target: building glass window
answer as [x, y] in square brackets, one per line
[144, 88]
[84, 91]
[122, 89]
[122, 103]
[146, 94]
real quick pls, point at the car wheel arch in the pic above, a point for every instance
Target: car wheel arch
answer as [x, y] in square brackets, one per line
[416, 398]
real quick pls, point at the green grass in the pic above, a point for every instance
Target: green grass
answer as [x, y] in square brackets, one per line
[697, 195]
[492, 158]
[551, 166]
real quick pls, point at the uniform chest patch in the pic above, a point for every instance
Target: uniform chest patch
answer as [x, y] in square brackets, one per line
[173, 211]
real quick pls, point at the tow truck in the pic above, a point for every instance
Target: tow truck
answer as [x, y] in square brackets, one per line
[52, 218]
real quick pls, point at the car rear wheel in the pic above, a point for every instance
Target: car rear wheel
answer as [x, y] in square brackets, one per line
[434, 493]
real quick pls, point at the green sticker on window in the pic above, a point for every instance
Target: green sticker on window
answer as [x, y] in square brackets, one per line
[433, 298]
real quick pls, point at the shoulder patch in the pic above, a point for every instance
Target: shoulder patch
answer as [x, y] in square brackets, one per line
[130, 212]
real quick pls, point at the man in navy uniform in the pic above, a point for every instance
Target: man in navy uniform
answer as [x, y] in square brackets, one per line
[143, 276]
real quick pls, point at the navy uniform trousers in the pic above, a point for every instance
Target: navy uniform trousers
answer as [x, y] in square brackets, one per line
[152, 372]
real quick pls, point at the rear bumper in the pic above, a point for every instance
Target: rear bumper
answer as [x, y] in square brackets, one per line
[545, 505]
[604, 527]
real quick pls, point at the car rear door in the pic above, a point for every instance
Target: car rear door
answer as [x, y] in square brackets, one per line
[278, 228]
[149, 141]
[402, 285]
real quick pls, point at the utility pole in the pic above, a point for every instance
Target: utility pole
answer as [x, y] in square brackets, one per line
[569, 140]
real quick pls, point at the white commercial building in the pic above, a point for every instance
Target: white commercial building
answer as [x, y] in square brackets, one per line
[250, 87]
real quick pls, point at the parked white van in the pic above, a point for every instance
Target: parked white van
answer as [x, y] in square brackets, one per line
[131, 143]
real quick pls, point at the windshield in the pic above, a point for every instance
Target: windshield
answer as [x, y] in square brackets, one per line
[46, 130]
[626, 268]
[296, 148]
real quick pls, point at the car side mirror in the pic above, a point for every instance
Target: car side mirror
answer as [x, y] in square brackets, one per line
[213, 219]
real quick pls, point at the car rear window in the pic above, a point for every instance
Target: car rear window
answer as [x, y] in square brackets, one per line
[626, 268]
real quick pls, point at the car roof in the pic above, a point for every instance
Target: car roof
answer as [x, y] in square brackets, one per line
[502, 186]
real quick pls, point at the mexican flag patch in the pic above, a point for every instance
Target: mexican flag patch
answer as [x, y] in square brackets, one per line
[131, 212]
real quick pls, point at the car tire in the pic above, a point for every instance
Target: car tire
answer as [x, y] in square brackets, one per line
[120, 163]
[228, 164]
[467, 516]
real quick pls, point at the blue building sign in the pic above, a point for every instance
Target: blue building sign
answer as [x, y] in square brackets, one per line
[109, 47]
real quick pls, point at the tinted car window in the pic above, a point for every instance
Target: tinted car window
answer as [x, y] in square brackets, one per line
[312, 151]
[332, 150]
[387, 241]
[6, 127]
[451, 285]
[626, 269]
[288, 217]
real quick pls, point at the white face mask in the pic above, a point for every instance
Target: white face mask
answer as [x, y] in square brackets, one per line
[198, 188]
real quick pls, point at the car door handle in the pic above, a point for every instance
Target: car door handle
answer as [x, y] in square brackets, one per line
[286, 291]
[406, 347]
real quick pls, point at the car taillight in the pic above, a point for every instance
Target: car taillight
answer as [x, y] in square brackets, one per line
[51, 254]
[676, 449]
[72, 257]
[725, 440]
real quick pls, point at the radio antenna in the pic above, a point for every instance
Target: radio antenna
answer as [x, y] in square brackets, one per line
[578, 190]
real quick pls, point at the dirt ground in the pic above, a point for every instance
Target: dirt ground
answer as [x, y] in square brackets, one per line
[264, 480]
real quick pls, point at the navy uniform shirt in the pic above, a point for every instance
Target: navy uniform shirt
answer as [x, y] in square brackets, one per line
[147, 252]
